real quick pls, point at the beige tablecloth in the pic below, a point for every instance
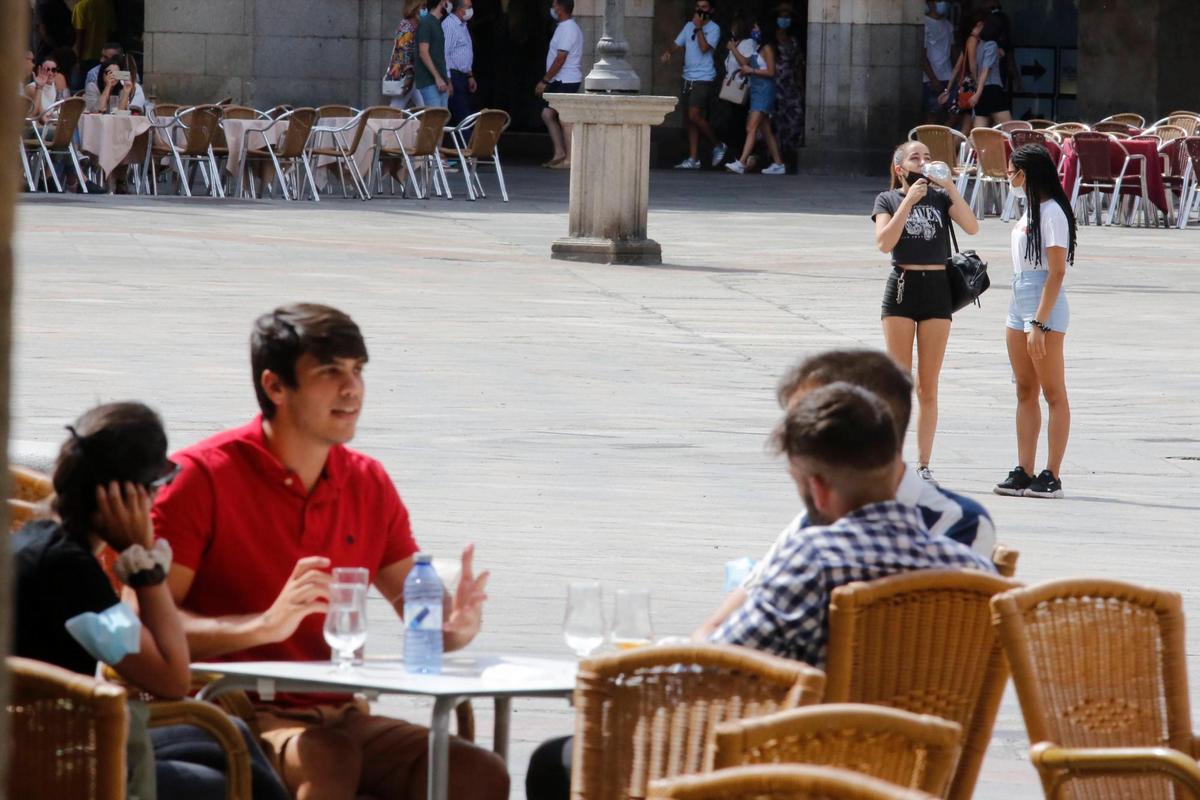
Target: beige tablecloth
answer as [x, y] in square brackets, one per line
[364, 154]
[109, 138]
[235, 138]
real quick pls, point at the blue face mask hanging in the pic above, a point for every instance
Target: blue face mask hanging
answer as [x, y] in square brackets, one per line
[424, 12]
[553, 15]
[108, 636]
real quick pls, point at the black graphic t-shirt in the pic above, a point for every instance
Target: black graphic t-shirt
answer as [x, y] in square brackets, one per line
[926, 237]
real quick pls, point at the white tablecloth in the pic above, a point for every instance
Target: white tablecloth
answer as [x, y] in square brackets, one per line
[235, 138]
[364, 154]
[109, 137]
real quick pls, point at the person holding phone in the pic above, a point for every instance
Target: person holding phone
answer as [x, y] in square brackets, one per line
[913, 224]
[697, 40]
[119, 89]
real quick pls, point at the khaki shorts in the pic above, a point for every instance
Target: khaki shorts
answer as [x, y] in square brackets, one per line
[395, 753]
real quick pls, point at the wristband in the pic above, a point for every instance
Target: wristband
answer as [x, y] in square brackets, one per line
[1043, 327]
[137, 567]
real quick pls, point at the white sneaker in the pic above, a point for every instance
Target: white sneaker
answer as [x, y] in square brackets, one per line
[775, 169]
[688, 163]
[718, 154]
[736, 166]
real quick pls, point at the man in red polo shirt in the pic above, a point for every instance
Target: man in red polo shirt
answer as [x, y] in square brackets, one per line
[257, 518]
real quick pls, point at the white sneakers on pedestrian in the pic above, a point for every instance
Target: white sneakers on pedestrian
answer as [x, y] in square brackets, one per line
[719, 154]
[775, 169]
[688, 163]
[736, 166]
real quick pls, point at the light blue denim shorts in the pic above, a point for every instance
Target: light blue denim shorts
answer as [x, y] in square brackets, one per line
[1027, 294]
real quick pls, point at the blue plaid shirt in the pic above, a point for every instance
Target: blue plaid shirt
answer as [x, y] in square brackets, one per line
[788, 612]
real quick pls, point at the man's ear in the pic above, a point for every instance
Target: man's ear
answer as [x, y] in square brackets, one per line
[273, 385]
[822, 495]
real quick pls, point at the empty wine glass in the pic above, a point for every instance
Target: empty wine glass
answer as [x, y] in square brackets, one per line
[360, 576]
[631, 622]
[346, 622]
[583, 625]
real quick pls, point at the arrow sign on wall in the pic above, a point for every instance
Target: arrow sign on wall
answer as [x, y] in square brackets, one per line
[1034, 70]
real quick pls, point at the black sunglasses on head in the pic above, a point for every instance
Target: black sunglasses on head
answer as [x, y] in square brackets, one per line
[166, 478]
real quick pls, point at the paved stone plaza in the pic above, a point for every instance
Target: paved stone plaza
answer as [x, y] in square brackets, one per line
[594, 421]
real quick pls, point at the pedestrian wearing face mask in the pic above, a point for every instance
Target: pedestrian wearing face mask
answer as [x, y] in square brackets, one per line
[760, 67]
[432, 76]
[697, 40]
[460, 59]
[939, 35]
[788, 120]
[564, 75]
[912, 222]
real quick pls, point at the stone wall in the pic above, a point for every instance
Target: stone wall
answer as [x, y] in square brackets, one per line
[864, 81]
[306, 52]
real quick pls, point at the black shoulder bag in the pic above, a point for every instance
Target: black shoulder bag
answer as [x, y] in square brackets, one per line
[967, 273]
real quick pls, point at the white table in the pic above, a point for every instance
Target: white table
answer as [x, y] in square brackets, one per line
[364, 154]
[110, 137]
[463, 676]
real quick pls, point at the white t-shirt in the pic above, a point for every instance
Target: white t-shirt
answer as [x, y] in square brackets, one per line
[568, 37]
[1056, 232]
[747, 47]
[939, 34]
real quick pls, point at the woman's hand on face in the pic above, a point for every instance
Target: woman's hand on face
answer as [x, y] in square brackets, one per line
[124, 515]
[41, 77]
[1035, 342]
[110, 80]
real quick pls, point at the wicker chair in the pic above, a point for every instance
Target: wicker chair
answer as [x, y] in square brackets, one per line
[29, 495]
[63, 117]
[1136, 120]
[290, 153]
[1041, 124]
[1189, 122]
[1013, 125]
[483, 147]
[336, 111]
[1069, 128]
[1190, 195]
[947, 145]
[1100, 664]
[68, 733]
[648, 713]
[992, 170]
[342, 150]
[199, 124]
[1166, 132]
[922, 642]
[1044, 138]
[425, 149]
[1117, 128]
[779, 782]
[919, 752]
[1005, 559]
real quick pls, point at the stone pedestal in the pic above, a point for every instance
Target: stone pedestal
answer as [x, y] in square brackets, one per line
[610, 176]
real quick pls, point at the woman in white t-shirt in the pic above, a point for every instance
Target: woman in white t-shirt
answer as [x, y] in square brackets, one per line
[1043, 244]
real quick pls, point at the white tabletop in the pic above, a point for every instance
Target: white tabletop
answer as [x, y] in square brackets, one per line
[463, 675]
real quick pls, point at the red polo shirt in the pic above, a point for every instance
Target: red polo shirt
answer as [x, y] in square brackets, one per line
[242, 520]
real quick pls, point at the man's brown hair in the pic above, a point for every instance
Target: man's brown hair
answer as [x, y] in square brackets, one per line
[872, 370]
[839, 427]
[282, 336]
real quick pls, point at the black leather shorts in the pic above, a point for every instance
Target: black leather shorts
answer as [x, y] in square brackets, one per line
[918, 294]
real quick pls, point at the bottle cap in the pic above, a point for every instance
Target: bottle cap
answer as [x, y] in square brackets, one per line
[424, 558]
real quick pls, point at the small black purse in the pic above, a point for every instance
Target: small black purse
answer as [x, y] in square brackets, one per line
[968, 276]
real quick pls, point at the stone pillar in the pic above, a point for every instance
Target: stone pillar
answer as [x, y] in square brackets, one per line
[610, 176]
[863, 89]
[612, 73]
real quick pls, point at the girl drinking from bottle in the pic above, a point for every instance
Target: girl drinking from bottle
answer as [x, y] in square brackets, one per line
[912, 222]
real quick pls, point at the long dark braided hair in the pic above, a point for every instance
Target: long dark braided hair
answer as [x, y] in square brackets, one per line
[1042, 184]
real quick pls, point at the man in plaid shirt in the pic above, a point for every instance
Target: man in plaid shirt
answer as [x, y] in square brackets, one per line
[841, 446]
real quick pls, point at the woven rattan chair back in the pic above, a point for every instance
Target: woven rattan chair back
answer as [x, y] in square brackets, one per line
[165, 110]
[1069, 128]
[1191, 150]
[485, 134]
[29, 484]
[26, 106]
[1041, 124]
[67, 733]
[335, 111]
[1014, 125]
[238, 112]
[69, 111]
[431, 126]
[1095, 157]
[1129, 118]
[992, 156]
[912, 750]
[922, 642]
[1166, 133]
[202, 123]
[648, 713]
[295, 139]
[1005, 559]
[1022, 138]
[1189, 122]
[781, 782]
[941, 141]
[1116, 127]
[1099, 664]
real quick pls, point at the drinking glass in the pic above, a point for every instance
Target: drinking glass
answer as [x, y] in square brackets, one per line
[583, 625]
[360, 576]
[346, 622]
[631, 622]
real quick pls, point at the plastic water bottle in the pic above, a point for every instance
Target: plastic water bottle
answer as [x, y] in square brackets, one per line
[936, 169]
[423, 618]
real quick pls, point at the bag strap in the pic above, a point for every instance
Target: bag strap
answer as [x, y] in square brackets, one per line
[953, 238]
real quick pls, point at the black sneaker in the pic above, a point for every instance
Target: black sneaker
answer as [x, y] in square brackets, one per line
[1045, 485]
[1015, 484]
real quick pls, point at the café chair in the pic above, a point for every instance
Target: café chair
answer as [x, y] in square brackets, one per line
[781, 782]
[485, 128]
[1013, 125]
[1190, 195]
[1101, 674]
[1168, 131]
[910, 750]
[1187, 120]
[949, 146]
[1069, 128]
[1095, 171]
[1117, 129]
[1004, 559]
[288, 155]
[648, 713]
[922, 642]
[1134, 120]
[67, 733]
[991, 162]
[1041, 124]
[29, 493]
[342, 149]
[277, 110]
[424, 150]
[54, 133]
[336, 111]
[26, 143]
[1044, 138]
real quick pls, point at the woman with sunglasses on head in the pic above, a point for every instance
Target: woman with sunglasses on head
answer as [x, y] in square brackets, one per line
[69, 615]
[1043, 244]
[912, 222]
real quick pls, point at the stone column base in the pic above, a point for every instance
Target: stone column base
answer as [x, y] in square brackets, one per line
[606, 251]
